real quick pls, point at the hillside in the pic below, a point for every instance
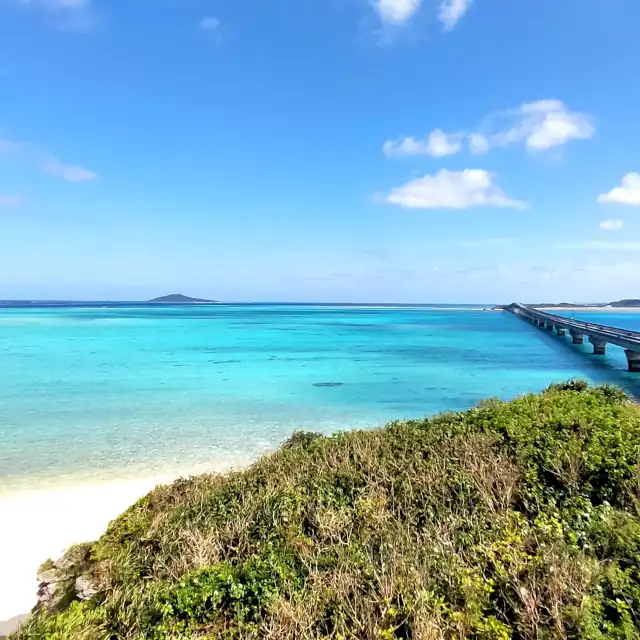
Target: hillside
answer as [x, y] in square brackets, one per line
[178, 298]
[512, 520]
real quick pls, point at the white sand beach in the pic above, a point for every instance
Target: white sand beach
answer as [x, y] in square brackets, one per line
[36, 525]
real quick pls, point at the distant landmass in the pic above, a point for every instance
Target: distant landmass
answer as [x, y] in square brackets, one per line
[631, 302]
[544, 305]
[178, 298]
[627, 302]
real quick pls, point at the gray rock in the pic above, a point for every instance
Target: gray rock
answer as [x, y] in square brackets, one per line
[50, 575]
[51, 595]
[85, 588]
[61, 582]
[75, 556]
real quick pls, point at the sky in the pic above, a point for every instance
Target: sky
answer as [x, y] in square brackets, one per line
[320, 150]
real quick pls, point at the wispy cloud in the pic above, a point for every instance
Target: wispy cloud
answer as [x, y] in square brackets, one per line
[600, 275]
[539, 126]
[612, 224]
[486, 242]
[10, 200]
[542, 125]
[452, 11]
[396, 12]
[68, 172]
[437, 145]
[568, 281]
[452, 190]
[78, 16]
[627, 193]
[478, 143]
[600, 245]
[209, 24]
[45, 161]
[8, 146]
[59, 5]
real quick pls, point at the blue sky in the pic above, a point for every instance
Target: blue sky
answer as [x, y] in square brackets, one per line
[342, 150]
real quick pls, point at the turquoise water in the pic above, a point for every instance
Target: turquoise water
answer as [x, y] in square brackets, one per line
[621, 319]
[99, 392]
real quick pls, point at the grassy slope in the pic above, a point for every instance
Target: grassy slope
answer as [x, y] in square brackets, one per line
[512, 520]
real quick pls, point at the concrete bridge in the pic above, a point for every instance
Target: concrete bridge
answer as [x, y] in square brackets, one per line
[599, 335]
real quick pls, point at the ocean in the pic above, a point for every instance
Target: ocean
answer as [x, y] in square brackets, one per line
[98, 392]
[118, 395]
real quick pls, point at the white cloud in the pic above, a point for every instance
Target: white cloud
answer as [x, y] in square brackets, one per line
[627, 193]
[451, 11]
[396, 12]
[437, 145]
[600, 245]
[44, 161]
[68, 172]
[451, 190]
[540, 126]
[549, 124]
[404, 147]
[612, 224]
[478, 143]
[8, 200]
[442, 144]
[209, 24]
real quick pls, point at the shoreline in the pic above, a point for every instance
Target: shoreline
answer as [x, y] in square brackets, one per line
[45, 522]
[12, 624]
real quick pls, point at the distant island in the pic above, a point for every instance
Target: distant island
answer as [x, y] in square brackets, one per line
[631, 302]
[178, 298]
[627, 302]
[569, 305]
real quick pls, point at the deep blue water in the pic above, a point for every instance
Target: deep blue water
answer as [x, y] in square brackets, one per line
[103, 390]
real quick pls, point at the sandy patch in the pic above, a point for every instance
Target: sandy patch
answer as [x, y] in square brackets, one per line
[36, 525]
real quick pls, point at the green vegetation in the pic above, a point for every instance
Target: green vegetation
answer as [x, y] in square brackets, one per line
[512, 520]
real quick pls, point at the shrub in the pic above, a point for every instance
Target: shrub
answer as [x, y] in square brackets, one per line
[512, 520]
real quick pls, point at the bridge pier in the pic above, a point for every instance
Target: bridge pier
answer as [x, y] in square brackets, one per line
[599, 346]
[597, 334]
[578, 338]
[633, 359]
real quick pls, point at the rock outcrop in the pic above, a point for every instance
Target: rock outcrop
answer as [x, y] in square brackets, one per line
[64, 580]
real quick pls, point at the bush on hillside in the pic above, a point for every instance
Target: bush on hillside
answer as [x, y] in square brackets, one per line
[511, 520]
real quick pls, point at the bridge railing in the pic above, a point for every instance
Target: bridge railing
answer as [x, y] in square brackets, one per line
[581, 324]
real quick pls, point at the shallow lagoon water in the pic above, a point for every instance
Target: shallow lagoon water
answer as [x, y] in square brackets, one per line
[112, 391]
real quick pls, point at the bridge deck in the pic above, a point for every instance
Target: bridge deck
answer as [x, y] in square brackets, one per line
[624, 338]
